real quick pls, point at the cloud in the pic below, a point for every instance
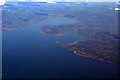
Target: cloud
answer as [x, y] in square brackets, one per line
[2, 2]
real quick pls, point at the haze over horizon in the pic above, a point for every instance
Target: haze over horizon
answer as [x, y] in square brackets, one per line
[2, 2]
[68, 0]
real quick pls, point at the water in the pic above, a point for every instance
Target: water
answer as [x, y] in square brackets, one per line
[27, 53]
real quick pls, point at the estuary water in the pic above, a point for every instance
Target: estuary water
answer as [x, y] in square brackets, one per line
[27, 53]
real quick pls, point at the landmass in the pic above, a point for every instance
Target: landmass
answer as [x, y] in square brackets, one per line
[54, 30]
[100, 50]
[98, 21]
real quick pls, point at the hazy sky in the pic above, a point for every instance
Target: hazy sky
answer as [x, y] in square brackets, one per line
[70, 0]
[2, 2]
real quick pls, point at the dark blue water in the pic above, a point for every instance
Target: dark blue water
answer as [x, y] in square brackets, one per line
[27, 53]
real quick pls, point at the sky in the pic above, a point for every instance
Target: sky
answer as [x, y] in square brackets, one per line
[70, 0]
[3, 1]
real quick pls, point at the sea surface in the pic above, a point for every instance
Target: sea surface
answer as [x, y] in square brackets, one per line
[27, 53]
